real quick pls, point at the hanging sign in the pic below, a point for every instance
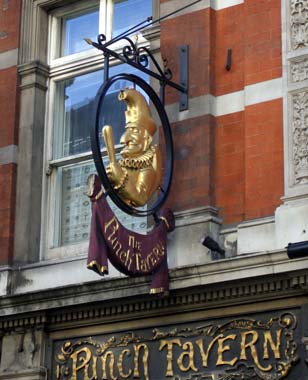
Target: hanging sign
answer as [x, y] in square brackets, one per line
[141, 177]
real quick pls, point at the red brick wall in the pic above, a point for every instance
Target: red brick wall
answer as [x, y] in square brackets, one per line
[242, 166]
[192, 163]
[263, 158]
[9, 103]
[7, 206]
[193, 30]
[9, 24]
[229, 170]
[227, 32]
[262, 40]
[8, 106]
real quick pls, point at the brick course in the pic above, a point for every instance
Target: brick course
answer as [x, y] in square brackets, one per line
[7, 211]
[191, 29]
[8, 106]
[191, 179]
[9, 25]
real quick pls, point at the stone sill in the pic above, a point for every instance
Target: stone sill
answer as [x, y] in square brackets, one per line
[237, 270]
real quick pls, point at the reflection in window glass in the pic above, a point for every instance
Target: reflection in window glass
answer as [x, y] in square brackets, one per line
[76, 28]
[76, 109]
[76, 208]
[76, 99]
[123, 16]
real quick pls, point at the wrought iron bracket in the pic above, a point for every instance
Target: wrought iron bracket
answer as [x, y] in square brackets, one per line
[184, 77]
[139, 58]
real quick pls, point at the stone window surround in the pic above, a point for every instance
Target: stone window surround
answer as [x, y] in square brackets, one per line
[35, 74]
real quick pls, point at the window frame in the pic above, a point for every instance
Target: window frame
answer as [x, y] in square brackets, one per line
[62, 68]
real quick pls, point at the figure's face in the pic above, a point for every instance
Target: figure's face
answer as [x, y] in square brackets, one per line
[136, 140]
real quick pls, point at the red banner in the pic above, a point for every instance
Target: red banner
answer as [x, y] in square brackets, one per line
[131, 253]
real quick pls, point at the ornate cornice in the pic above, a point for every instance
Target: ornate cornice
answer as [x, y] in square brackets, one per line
[139, 305]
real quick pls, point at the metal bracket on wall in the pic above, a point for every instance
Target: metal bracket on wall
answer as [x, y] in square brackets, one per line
[184, 77]
[139, 58]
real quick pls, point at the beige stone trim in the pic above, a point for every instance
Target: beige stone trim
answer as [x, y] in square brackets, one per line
[172, 5]
[8, 59]
[8, 154]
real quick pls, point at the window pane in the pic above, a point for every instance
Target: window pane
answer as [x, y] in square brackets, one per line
[76, 28]
[76, 209]
[76, 206]
[75, 109]
[128, 13]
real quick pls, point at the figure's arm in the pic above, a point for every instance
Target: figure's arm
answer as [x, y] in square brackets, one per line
[114, 171]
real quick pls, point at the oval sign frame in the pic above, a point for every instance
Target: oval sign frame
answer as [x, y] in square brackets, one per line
[97, 156]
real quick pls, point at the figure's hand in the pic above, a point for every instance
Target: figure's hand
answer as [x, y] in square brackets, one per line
[115, 173]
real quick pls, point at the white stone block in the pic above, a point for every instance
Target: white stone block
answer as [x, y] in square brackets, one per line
[291, 222]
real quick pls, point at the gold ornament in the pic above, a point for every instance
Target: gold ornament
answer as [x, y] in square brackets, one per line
[138, 174]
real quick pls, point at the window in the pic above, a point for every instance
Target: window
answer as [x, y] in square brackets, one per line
[76, 73]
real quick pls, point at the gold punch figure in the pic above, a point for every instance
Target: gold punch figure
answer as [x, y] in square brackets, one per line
[138, 174]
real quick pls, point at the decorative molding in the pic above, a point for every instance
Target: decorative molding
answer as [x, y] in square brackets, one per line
[295, 75]
[33, 74]
[124, 306]
[299, 24]
[23, 322]
[299, 70]
[300, 137]
[26, 374]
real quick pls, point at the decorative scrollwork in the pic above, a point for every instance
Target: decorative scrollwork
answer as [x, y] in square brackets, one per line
[300, 137]
[140, 56]
[299, 24]
[101, 38]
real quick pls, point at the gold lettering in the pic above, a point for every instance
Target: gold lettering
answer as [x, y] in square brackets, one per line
[120, 364]
[158, 252]
[169, 344]
[80, 362]
[251, 346]
[275, 347]
[111, 366]
[58, 372]
[117, 247]
[151, 260]
[145, 358]
[190, 355]
[131, 241]
[137, 255]
[205, 354]
[222, 348]
[143, 266]
[114, 223]
[94, 373]
[128, 261]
